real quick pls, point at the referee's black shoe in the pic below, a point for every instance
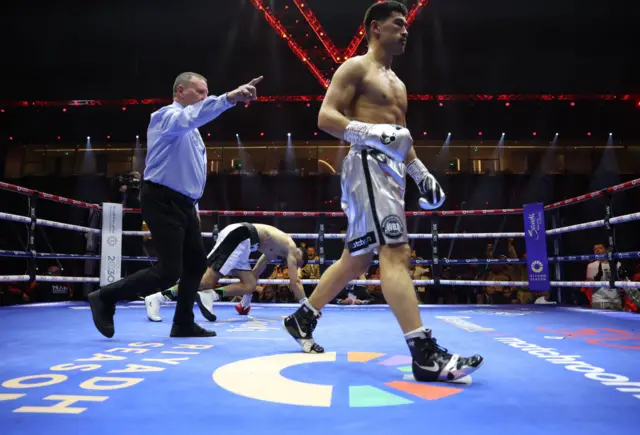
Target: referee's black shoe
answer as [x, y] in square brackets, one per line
[103, 313]
[193, 330]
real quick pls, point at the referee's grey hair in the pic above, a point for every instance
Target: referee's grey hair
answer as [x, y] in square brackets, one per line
[184, 79]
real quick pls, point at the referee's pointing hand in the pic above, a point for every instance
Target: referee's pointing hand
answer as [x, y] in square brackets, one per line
[245, 93]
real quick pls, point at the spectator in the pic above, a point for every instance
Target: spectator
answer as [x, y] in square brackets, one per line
[519, 273]
[600, 271]
[500, 294]
[51, 291]
[310, 271]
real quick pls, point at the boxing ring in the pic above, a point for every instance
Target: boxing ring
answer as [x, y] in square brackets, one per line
[548, 368]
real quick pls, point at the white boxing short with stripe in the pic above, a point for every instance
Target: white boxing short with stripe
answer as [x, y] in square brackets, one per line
[233, 247]
[373, 188]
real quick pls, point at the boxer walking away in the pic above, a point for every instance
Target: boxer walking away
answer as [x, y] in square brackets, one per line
[366, 106]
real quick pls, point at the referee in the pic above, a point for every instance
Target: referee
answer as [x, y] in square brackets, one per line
[175, 176]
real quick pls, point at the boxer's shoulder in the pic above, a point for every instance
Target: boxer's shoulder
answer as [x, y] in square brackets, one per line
[355, 67]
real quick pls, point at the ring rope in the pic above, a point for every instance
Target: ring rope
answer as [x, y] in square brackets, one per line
[594, 224]
[425, 282]
[568, 258]
[310, 236]
[48, 223]
[612, 189]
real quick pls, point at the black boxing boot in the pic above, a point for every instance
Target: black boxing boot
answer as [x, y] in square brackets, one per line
[300, 326]
[432, 363]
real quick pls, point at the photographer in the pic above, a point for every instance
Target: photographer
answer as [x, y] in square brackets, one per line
[126, 190]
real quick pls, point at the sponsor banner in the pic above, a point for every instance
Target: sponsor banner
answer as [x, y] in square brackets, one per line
[536, 242]
[111, 255]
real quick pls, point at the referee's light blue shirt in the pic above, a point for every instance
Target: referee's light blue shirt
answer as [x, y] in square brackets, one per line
[176, 155]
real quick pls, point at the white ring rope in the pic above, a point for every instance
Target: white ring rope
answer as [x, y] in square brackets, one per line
[423, 282]
[309, 236]
[47, 223]
[595, 224]
[14, 278]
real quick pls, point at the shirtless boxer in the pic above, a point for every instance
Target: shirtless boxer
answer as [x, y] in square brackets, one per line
[366, 105]
[230, 256]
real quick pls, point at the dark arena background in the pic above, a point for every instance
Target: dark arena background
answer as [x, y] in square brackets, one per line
[512, 105]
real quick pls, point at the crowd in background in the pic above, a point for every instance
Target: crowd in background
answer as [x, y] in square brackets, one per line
[318, 194]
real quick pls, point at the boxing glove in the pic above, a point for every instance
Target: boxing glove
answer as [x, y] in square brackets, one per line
[394, 141]
[431, 194]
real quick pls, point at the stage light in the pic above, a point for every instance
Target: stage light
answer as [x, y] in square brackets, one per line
[1, 110]
[507, 104]
[315, 133]
[556, 134]
[137, 137]
[503, 133]
[124, 108]
[208, 134]
[534, 133]
[58, 137]
[262, 133]
[441, 104]
[424, 133]
[588, 133]
[108, 137]
[288, 134]
[573, 104]
[64, 110]
[237, 135]
[10, 137]
[479, 133]
[88, 137]
[449, 134]
[610, 134]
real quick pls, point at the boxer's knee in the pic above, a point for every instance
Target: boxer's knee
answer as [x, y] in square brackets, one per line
[395, 256]
[356, 264]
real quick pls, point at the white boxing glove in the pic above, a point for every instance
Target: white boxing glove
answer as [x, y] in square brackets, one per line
[394, 141]
[431, 194]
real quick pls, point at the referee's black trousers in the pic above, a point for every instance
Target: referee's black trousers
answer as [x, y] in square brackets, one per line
[176, 236]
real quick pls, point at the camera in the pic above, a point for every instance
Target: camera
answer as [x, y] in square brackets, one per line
[131, 180]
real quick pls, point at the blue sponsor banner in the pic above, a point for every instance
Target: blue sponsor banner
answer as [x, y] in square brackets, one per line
[536, 241]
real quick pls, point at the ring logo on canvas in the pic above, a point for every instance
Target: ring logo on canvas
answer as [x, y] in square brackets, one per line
[574, 364]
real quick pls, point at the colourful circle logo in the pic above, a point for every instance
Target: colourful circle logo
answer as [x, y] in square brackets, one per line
[262, 379]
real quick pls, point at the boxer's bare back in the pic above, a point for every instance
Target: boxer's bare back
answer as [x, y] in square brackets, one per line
[274, 244]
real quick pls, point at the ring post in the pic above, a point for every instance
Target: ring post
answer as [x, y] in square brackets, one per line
[536, 243]
[434, 249]
[111, 253]
[613, 266]
[32, 267]
[557, 241]
[320, 243]
[216, 227]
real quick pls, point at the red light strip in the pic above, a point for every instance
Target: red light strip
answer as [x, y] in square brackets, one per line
[297, 50]
[633, 98]
[332, 51]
